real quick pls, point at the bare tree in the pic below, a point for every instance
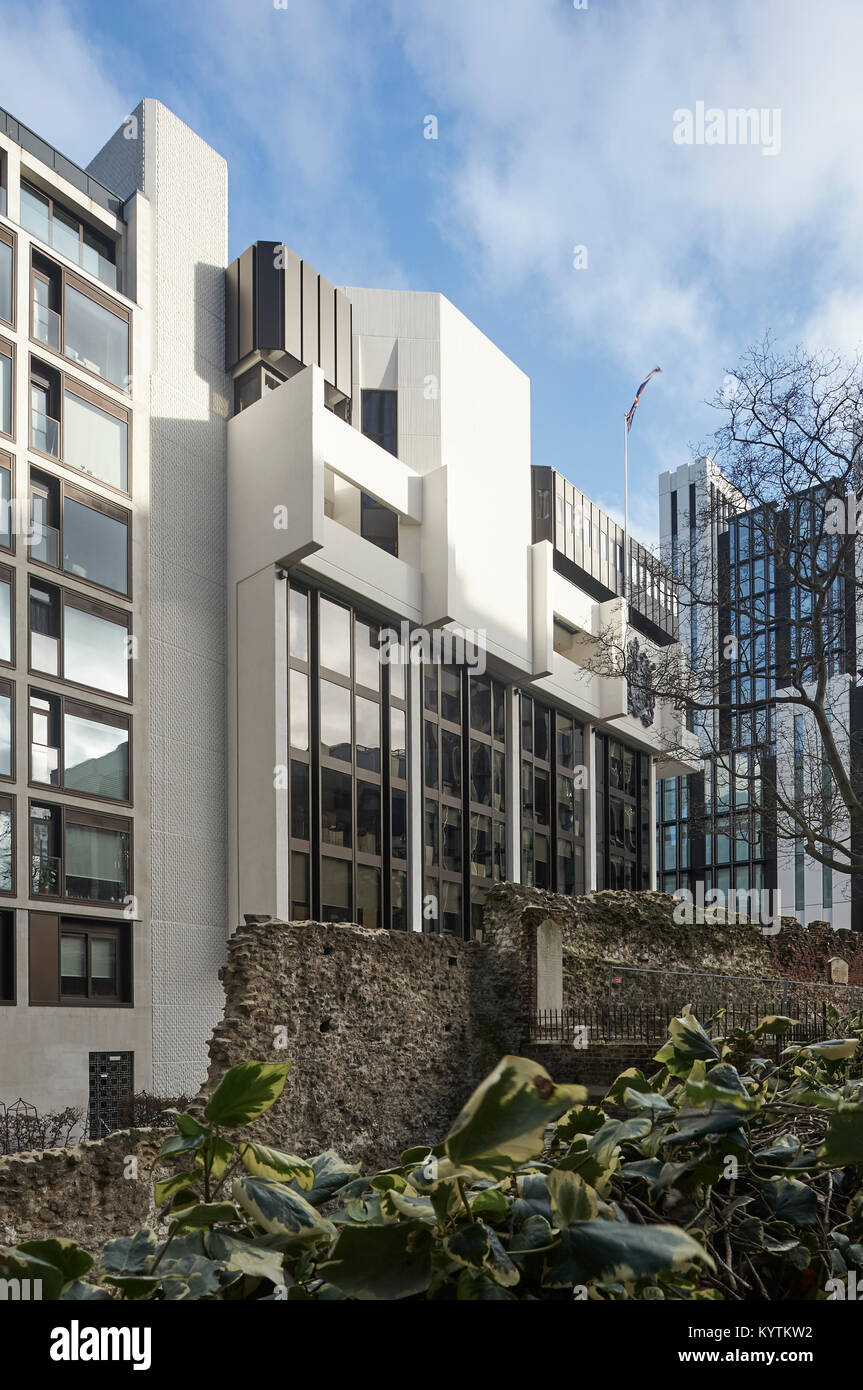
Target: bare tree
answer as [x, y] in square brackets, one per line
[770, 601]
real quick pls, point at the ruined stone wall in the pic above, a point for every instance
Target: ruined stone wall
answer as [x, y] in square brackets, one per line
[387, 1034]
[638, 931]
[80, 1193]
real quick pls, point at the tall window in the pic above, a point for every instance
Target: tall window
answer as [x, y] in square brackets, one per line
[379, 418]
[7, 281]
[464, 795]
[622, 802]
[78, 640]
[6, 358]
[553, 778]
[347, 711]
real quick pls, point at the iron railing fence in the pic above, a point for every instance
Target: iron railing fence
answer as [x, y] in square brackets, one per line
[640, 1002]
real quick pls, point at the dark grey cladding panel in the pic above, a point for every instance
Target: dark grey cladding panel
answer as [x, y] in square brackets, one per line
[268, 295]
[246, 333]
[344, 328]
[293, 304]
[274, 302]
[310, 315]
[327, 321]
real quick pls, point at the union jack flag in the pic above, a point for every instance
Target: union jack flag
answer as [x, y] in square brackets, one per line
[638, 397]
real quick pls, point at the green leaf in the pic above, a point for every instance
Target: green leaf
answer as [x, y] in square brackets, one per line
[792, 1201]
[219, 1152]
[469, 1245]
[188, 1124]
[834, 1049]
[64, 1255]
[264, 1162]
[503, 1123]
[129, 1254]
[79, 1291]
[197, 1278]
[571, 1199]
[843, 1142]
[646, 1100]
[480, 1288]
[247, 1257]
[134, 1285]
[687, 1043]
[245, 1092]
[490, 1202]
[181, 1143]
[620, 1251]
[331, 1173]
[206, 1214]
[775, 1024]
[381, 1262]
[17, 1263]
[168, 1187]
[279, 1209]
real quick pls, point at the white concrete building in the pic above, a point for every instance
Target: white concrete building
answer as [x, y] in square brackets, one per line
[231, 490]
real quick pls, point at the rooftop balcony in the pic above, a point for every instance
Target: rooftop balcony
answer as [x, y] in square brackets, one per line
[588, 550]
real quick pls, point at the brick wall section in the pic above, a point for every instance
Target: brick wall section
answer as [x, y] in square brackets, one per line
[594, 1067]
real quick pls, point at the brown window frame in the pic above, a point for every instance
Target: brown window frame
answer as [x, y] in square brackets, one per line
[75, 493]
[8, 689]
[8, 803]
[7, 575]
[71, 598]
[7, 461]
[10, 239]
[69, 279]
[45, 932]
[77, 216]
[8, 349]
[96, 820]
[83, 709]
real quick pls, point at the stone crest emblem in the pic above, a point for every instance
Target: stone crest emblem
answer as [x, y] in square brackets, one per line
[640, 701]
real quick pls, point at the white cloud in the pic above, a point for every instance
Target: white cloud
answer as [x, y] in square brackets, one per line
[55, 80]
[560, 121]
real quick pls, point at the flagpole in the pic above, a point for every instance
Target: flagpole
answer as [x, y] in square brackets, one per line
[626, 565]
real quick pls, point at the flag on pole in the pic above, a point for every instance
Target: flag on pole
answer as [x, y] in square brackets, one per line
[638, 397]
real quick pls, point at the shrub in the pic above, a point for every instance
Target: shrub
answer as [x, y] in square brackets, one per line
[725, 1175]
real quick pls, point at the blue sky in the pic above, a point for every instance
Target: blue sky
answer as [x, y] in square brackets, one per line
[555, 130]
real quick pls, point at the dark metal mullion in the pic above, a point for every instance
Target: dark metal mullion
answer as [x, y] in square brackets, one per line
[314, 758]
[386, 797]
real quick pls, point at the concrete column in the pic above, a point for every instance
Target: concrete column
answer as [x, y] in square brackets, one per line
[590, 809]
[415, 796]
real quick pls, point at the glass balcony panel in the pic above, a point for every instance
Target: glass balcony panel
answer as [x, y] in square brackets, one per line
[44, 433]
[46, 764]
[46, 325]
[45, 543]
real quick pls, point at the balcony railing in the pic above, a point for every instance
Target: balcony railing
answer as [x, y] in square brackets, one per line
[44, 433]
[46, 325]
[45, 543]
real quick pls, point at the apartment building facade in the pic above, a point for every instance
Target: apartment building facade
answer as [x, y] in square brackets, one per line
[112, 632]
[289, 623]
[710, 824]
